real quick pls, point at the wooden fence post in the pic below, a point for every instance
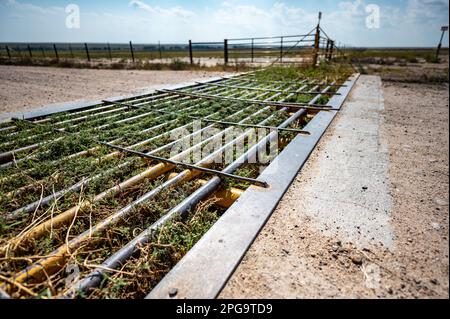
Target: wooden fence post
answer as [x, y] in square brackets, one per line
[253, 49]
[191, 57]
[327, 49]
[7, 51]
[29, 51]
[109, 52]
[281, 49]
[159, 48]
[132, 51]
[87, 52]
[330, 55]
[56, 52]
[316, 47]
[225, 51]
[71, 51]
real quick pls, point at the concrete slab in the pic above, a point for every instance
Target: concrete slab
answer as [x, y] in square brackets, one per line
[339, 204]
[347, 193]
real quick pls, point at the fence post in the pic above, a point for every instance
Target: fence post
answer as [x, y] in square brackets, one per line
[43, 52]
[71, 51]
[225, 51]
[327, 49]
[56, 52]
[253, 48]
[109, 51]
[316, 46]
[132, 51]
[87, 52]
[20, 52]
[281, 49]
[331, 51]
[7, 51]
[191, 57]
[159, 48]
[29, 51]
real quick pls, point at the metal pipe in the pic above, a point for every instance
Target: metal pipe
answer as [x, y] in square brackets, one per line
[36, 269]
[291, 105]
[94, 278]
[55, 222]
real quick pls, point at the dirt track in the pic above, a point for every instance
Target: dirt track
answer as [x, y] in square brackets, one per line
[25, 88]
[294, 258]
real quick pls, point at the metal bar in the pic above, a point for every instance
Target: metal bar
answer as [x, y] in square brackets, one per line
[189, 166]
[246, 221]
[292, 105]
[269, 90]
[46, 200]
[8, 156]
[94, 278]
[272, 37]
[221, 122]
[286, 82]
[53, 224]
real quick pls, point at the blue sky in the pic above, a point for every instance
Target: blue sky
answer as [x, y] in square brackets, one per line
[402, 22]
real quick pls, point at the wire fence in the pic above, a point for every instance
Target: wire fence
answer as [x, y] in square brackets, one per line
[306, 48]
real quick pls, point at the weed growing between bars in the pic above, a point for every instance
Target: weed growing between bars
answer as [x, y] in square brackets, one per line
[152, 261]
[325, 71]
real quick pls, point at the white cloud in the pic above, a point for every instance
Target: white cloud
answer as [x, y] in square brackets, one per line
[426, 9]
[29, 7]
[176, 11]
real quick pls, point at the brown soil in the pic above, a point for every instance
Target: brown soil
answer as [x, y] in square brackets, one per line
[293, 258]
[25, 88]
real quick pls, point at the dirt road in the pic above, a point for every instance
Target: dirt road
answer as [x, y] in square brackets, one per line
[25, 88]
[312, 248]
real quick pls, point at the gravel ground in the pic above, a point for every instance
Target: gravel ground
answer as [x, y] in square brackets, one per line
[295, 257]
[26, 88]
